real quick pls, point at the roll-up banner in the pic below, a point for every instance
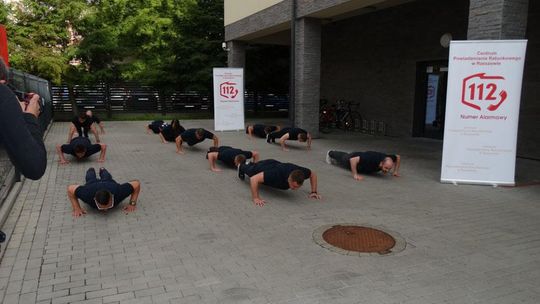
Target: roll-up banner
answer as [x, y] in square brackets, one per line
[228, 99]
[482, 111]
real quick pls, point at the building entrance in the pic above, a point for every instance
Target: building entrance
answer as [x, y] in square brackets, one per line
[430, 99]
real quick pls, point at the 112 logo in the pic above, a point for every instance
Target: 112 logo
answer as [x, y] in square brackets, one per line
[479, 89]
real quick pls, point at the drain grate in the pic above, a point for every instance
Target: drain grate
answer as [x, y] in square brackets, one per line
[360, 240]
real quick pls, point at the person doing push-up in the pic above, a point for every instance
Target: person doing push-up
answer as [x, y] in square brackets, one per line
[228, 155]
[278, 175]
[364, 162]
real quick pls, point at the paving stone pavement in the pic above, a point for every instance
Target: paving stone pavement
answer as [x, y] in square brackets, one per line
[197, 237]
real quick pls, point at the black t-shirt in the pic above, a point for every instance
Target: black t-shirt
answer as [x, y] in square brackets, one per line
[370, 161]
[227, 154]
[90, 149]
[294, 132]
[278, 174]
[258, 130]
[87, 192]
[191, 139]
[168, 133]
[85, 124]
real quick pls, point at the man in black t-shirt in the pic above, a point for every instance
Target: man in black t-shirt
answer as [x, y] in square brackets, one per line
[278, 175]
[169, 133]
[260, 130]
[156, 126]
[230, 156]
[102, 194]
[82, 124]
[289, 134]
[193, 137]
[96, 120]
[81, 148]
[365, 162]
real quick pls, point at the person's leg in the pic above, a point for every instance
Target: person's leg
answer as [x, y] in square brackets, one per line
[339, 158]
[91, 176]
[273, 135]
[105, 175]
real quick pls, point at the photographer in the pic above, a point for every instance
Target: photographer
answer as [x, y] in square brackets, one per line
[20, 132]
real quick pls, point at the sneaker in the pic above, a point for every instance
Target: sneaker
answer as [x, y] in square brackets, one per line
[328, 159]
[241, 174]
[268, 138]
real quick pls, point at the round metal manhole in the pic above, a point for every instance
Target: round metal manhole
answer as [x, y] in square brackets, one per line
[352, 239]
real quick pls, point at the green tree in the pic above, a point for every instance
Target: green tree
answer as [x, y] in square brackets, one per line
[199, 50]
[39, 37]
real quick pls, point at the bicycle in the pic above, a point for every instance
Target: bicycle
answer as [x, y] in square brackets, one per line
[327, 116]
[346, 118]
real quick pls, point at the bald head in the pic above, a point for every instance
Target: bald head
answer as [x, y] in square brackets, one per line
[89, 113]
[387, 164]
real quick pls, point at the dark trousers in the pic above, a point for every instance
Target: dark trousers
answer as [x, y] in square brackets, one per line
[104, 175]
[83, 129]
[255, 168]
[21, 136]
[341, 158]
[277, 134]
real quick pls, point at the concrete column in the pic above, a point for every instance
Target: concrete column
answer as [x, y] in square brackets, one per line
[497, 19]
[236, 56]
[308, 74]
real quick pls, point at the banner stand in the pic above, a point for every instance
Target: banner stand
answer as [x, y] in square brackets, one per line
[228, 99]
[482, 112]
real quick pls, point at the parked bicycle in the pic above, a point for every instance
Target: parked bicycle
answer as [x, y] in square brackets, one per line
[327, 116]
[342, 115]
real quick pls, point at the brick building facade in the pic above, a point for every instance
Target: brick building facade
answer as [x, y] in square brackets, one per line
[380, 54]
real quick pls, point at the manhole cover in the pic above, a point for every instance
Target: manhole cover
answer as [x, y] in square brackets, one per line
[359, 239]
[352, 239]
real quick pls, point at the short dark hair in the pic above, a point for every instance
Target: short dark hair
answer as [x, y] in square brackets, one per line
[102, 197]
[239, 159]
[199, 132]
[80, 148]
[297, 176]
[267, 129]
[302, 137]
[82, 114]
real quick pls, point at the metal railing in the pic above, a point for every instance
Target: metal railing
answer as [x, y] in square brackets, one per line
[134, 98]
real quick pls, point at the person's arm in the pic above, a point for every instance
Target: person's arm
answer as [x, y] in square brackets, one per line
[132, 206]
[75, 205]
[250, 132]
[354, 161]
[254, 182]
[313, 181]
[62, 160]
[216, 140]
[95, 132]
[21, 133]
[309, 141]
[396, 165]
[72, 131]
[212, 157]
[282, 142]
[162, 138]
[179, 145]
[102, 154]
[102, 127]
[255, 156]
